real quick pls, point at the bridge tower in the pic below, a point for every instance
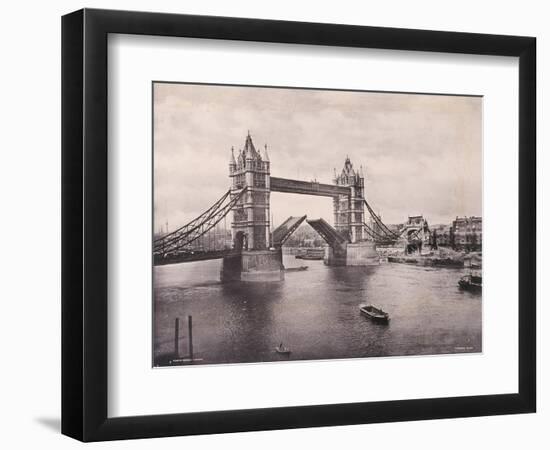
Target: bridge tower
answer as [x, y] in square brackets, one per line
[349, 215]
[348, 210]
[251, 214]
[250, 227]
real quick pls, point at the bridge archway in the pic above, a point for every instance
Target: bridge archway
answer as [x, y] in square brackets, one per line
[239, 241]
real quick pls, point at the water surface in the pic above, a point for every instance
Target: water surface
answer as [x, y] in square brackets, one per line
[314, 312]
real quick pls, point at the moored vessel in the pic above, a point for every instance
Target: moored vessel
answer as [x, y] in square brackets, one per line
[296, 269]
[471, 282]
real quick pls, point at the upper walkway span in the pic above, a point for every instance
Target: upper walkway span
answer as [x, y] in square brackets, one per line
[307, 187]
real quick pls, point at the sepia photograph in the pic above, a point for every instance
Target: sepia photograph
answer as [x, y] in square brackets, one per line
[294, 224]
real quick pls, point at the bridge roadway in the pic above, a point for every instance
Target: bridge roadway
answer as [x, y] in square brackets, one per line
[188, 256]
[327, 232]
[283, 231]
[280, 235]
[307, 187]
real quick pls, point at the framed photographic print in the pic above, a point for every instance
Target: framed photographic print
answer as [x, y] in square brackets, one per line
[267, 223]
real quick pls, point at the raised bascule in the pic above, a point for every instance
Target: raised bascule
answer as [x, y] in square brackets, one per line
[256, 252]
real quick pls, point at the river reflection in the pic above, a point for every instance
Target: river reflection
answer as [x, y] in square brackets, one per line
[314, 312]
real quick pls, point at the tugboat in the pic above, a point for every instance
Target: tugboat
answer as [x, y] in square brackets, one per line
[471, 282]
[374, 313]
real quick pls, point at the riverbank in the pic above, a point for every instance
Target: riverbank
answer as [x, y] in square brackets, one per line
[440, 258]
[427, 261]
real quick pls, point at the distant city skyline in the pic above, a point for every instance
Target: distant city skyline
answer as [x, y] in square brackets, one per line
[421, 154]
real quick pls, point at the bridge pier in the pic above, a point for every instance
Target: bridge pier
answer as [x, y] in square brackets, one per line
[362, 254]
[356, 254]
[336, 255]
[253, 266]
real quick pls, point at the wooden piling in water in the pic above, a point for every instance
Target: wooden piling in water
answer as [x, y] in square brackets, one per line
[190, 324]
[188, 359]
[177, 337]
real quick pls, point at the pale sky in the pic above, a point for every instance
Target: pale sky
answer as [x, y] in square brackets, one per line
[421, 154]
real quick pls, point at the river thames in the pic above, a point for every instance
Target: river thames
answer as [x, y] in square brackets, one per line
[314, 313]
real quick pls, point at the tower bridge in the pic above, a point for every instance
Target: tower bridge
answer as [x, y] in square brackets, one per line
[256, 252]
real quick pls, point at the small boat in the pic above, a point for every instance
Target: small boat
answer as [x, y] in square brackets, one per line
[312, 257]
[471, 282]
[374, 313]
[311, 254]
[282, 349]
[295, 269]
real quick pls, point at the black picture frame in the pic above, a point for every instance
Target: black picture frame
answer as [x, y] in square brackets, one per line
[84, 224]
